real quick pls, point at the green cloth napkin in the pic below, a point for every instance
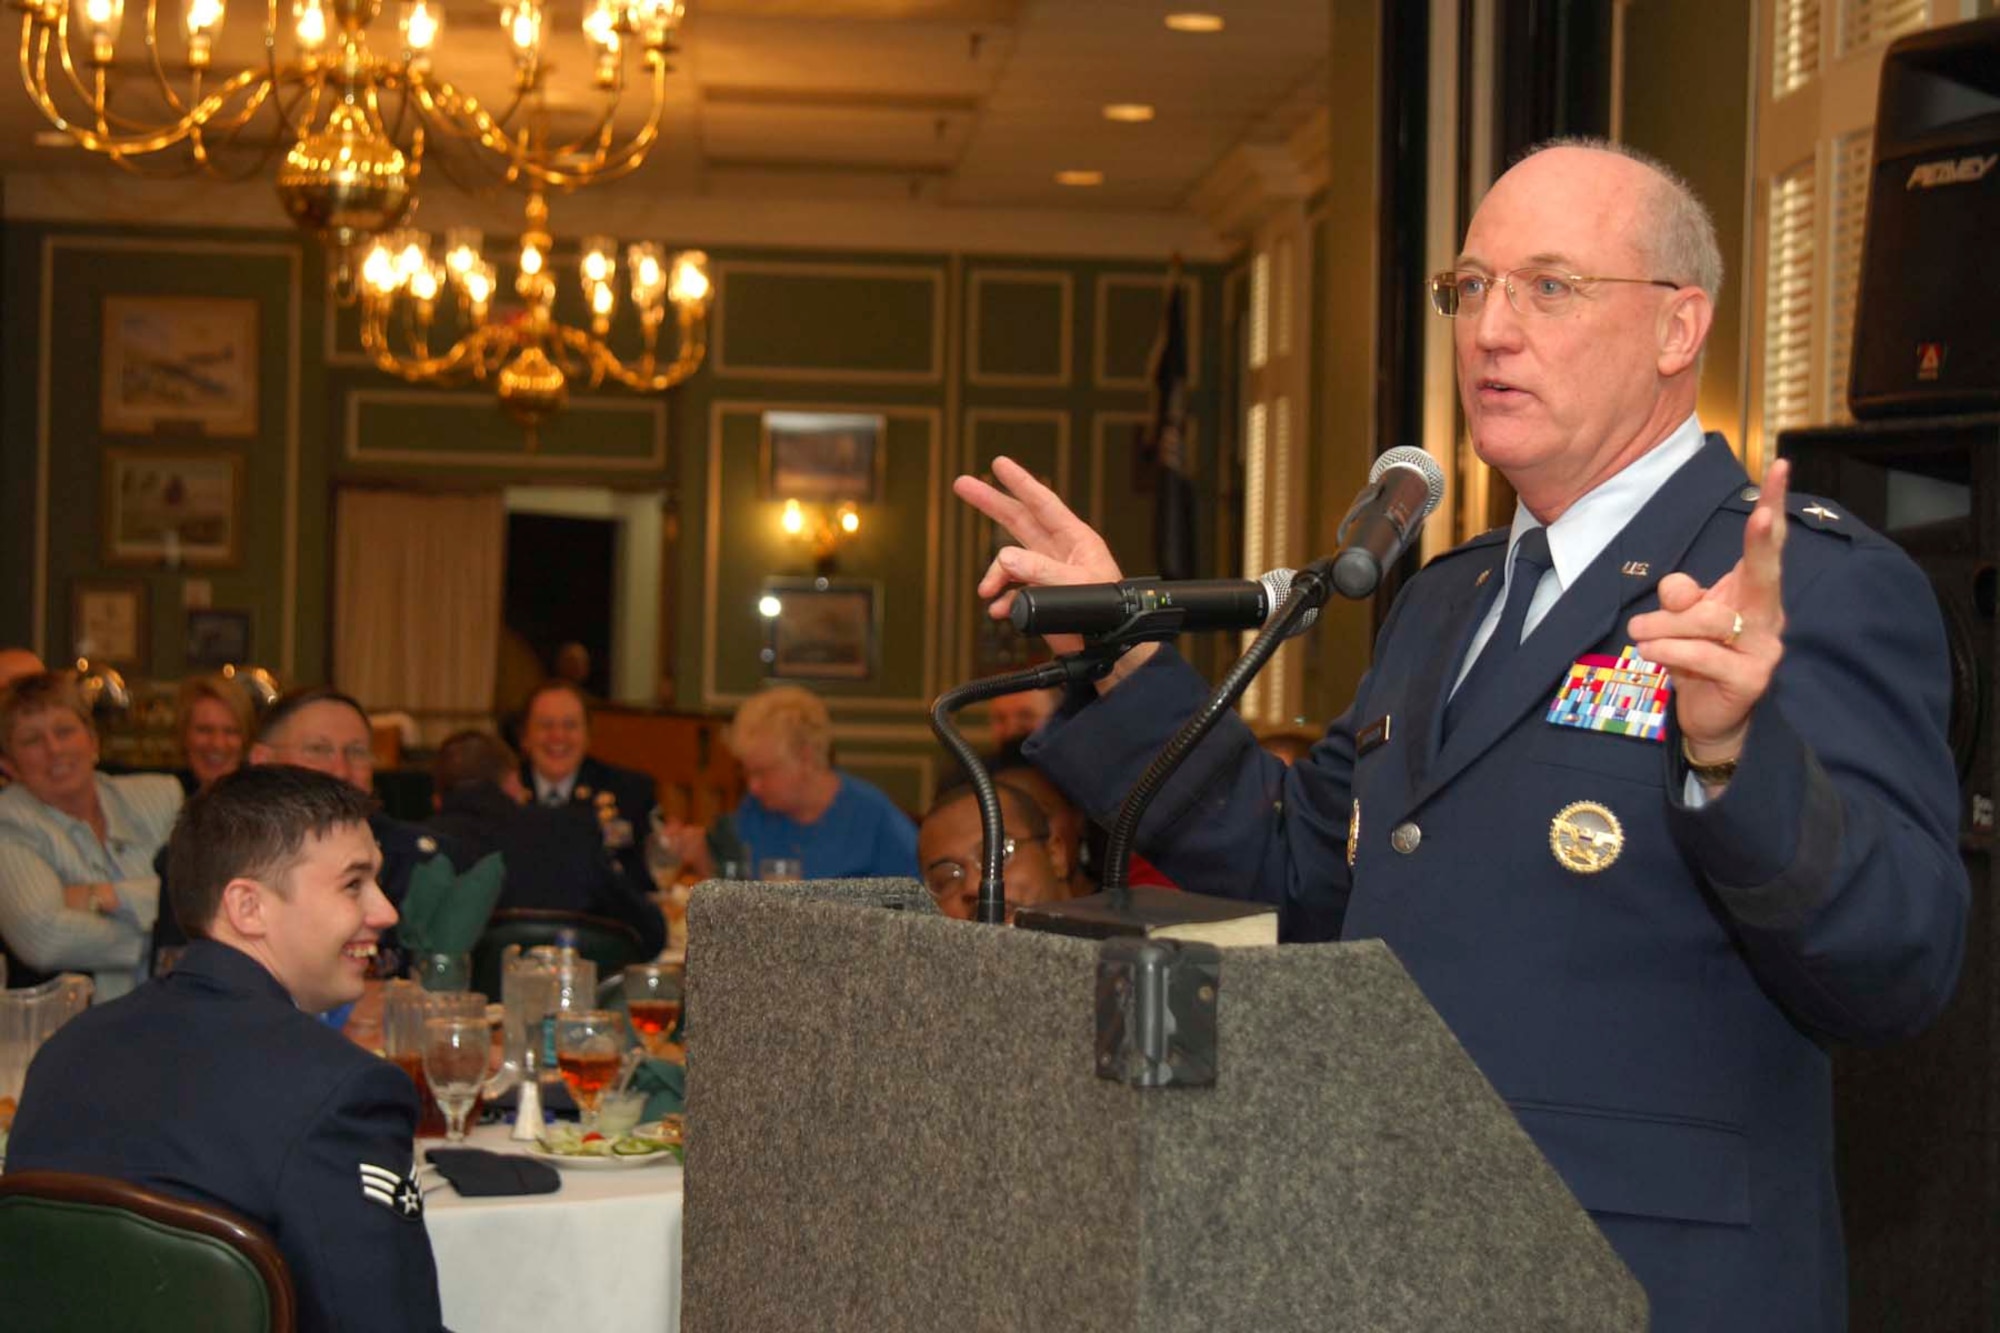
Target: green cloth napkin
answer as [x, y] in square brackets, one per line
[665, 1084]
[446, 912]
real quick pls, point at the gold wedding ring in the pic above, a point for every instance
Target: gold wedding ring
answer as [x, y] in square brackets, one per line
[1735, 632]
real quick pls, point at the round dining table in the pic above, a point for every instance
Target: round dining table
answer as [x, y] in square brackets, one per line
[602, 1253]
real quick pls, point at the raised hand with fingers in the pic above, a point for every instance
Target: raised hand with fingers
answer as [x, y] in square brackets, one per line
[1054, 547]
[1723, 643]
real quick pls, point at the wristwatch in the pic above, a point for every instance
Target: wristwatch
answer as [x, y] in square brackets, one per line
[1709, 775]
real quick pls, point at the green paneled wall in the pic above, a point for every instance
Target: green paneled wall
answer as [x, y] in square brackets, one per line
[876, 323]
[1058, 383]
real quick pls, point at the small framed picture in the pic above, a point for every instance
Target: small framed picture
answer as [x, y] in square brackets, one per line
[172, 509]
[824, 457]
[217, 639]
[108, 621]
[820, 630]
[185, 363]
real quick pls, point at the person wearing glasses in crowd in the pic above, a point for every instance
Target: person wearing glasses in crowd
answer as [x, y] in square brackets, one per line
[949, 842]
[214, 1084]
[78, 891]
[1649, 790]
[324, 730]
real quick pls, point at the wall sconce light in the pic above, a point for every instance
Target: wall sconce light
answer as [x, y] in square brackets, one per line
[824, 528]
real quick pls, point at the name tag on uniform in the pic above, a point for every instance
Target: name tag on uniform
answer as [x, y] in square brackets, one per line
[1373, 736]
[1624, 695]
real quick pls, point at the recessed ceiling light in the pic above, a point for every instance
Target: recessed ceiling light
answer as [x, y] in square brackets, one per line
[1192, 22]
[1079, 178]
[1132, 113]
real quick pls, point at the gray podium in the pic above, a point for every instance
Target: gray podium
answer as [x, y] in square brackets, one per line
[895, 1124]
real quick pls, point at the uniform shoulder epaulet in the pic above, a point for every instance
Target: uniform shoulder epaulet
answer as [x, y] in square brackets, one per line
[1807, 511]
[1483, 541]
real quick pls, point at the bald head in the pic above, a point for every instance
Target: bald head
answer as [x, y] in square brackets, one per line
[1562, 394]
[18, 662]
[1676, 233]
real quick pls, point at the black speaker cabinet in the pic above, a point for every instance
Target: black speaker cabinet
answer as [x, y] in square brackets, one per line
[1927, 327]
[1918, 1123]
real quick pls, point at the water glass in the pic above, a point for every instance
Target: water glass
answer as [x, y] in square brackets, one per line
[779, 869]
[442, 971]
[456, 1053]
[406, 1008]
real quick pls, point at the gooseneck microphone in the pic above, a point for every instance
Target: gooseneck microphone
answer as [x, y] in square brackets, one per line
[1179, 606]
[1403, 488]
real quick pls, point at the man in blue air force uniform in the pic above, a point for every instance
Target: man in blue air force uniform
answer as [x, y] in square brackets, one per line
[327, 731]
[214, 1083]
[1649, 792]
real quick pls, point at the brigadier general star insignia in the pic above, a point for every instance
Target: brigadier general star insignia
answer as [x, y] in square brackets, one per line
[401, 1195]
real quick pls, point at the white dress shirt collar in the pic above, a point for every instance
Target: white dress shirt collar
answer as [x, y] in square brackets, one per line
[1587, 527]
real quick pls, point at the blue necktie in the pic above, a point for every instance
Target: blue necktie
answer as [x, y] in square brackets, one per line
[1531, 561]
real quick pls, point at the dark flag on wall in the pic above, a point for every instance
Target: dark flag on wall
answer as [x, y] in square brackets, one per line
[1166, 439]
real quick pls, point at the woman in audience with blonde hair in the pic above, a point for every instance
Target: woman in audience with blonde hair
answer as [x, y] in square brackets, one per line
[77, 888]
[798, 806]
[216, 721]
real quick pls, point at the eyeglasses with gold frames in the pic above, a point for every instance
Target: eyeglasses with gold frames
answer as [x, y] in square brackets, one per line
[1531, 291]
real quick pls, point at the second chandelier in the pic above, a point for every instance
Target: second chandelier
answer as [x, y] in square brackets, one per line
[529, 356]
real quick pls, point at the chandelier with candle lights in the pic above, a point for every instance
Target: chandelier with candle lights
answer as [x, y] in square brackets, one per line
[528, 356]
[352, 120]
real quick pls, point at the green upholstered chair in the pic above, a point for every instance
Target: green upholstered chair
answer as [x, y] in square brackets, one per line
[83, 1254]
[612, 945]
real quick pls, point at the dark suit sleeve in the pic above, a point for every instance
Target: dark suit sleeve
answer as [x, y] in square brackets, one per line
[1834, 848]
[1233, 820]
[363, 1266]
[622, 898]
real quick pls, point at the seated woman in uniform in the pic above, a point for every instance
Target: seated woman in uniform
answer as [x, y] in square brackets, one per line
[77, 887]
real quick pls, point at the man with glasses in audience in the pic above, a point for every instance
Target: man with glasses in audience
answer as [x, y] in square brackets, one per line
[324, 730]
[1648, 790]
[948, 847]
[213, 1083]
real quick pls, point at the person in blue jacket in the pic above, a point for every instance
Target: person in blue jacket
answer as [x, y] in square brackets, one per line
[214, 1083]
[797, 806]
[1649, 791]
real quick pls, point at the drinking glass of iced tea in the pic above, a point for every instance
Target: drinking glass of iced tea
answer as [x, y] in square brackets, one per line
[653, 999]
[589, 1048]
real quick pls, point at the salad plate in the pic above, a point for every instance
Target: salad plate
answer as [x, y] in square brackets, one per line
[569, 1148]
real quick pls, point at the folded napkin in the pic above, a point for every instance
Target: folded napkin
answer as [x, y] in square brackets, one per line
[476, 1173]
[444, 911]
[665, 1084]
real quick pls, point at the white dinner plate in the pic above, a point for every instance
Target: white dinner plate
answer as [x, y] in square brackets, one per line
[610, 1162]
[667, 1129]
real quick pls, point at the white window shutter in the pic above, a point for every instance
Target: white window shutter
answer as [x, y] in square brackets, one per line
[1866, 23]
[1794, 45]
[1788, 301]
[1853, 156]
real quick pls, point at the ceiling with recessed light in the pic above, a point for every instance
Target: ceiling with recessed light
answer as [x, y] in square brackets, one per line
[964, 104]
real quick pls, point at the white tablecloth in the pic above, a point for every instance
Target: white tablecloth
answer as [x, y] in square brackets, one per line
[602, 1253]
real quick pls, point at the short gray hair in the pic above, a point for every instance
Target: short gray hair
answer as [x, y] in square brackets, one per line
[1680, 233]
